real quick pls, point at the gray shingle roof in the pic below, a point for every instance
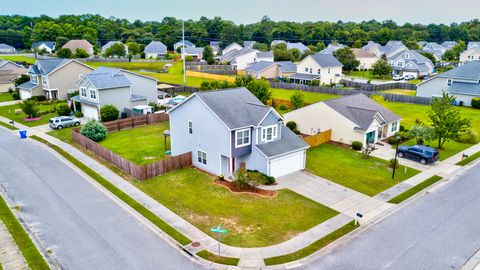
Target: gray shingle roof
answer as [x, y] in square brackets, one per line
[288, 142]
[468, 71]
[307, 77]
[249, 43]
[111, 43]
[156, 47]
[236, 107]
[370, 45]
[473, 44]
[27, 86]
[449, 44]
[49, 44]
[463, 88]
[287, 66]
[298, 45]
[260, 66]
[326, 60]
[46, 66]
[361, 110]
[137, 97]
[331, 48]
[194, 50]
[268, 54]
[187, 44]
[234, 54]
[4, 46]
[107, 80]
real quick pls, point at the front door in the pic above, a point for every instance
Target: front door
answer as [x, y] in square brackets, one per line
[371, 137]
[54, 94]
[225, 165]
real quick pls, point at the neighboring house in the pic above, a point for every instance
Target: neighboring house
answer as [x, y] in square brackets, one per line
[48, 46]
[195, 52]
[473, 44]
[180, 44]
[449, 44]
[263, 69]
[463, 82]
[391, 48]
[240, 59]
[111, 43]
[111, 86]
[7, 49]
[394, 43]
[435, 49]
[410, 62]
[472, 54]
[351, 118]
[277, 42]
[53, 78]
[331, 48]
[9, 71]
[155, 49]
[366, 58]
[297, 45]
[324, 68]
[421, 44]
[75, 44]
[286, 69]
[265, 56]
[231, 129]
[249, 44]
[232, 47]
[216, 47]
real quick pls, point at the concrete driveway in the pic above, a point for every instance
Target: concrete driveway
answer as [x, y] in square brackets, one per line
[82, 225]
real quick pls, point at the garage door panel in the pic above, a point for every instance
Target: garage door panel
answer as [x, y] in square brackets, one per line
[287, 164]
[90, 112]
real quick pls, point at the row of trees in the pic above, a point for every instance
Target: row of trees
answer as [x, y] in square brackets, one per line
[20, 31]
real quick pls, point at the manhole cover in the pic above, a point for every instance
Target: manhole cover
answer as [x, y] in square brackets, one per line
[195, 244]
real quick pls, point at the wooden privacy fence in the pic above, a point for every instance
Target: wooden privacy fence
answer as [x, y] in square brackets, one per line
[379, 87]
[130, 168]
[318, 139]
[136, 121]
[210, 76]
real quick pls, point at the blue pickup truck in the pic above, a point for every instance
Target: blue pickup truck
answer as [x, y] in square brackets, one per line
[420, 153]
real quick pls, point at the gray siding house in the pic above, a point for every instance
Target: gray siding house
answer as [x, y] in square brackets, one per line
[411, 62]
[228, 129]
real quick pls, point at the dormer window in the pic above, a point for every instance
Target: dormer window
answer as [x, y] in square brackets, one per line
[33, 79]
[269, 133]
[44, 80]
[93, 94]
[83, 92]
[449, 82]
[242, 138]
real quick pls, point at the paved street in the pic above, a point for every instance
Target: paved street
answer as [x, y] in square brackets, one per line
[83, 227]
[438, 231]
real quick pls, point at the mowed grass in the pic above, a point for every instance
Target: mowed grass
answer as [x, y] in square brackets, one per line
[18, 58]
[218, 259]
[5, 97]
[9, 112]
[400, 92]
[367, 74]
[129, 65]
[310, 97]
[175, 76]
[414, 190]
[141, 145]
[469, 159]
[64, 134]
[347, 168]
[251, 220]
[8, 126]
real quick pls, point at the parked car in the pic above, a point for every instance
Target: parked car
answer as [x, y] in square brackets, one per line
[420, 153]
[398, 77]
[409, 77]
[63, 122]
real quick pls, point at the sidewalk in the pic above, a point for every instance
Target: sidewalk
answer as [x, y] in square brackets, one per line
[10, 256]
[7, 103]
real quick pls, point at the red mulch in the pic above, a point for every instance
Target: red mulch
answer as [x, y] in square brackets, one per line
[31, 119]
[248, 189]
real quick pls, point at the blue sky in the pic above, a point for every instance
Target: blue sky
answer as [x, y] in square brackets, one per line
[248, 11]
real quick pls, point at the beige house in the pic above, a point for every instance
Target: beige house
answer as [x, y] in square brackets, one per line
[75, 44]
[268, 70]
[9, 71]
[351, 118]
[472, 54]
[324, 68]
[366, 58]
[53, 78]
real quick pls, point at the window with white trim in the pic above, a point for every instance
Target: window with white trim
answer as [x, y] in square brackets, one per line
[242, 137]
[319, 70]
[269, 133]
[44, 80]
[306, 69]
[449, 82]
[400, 64]
[202, 157]
[311, 70]
[329, 71]
[33, 79]
[190, 127]
[93, 94]
[394, 127]
[83, 92]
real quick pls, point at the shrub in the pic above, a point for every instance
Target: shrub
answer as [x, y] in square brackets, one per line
[241, 178]
[402, 128]
[16, 95]
[30, 108]
[154, 106]
[109, 113]
[78, 114]
[189, 58]
[63, 110]
[260, 178]
[476, 103]
[94, 131]
[297, 100]
[392, 140]
[291, 125]
[283, 107]
[39, 98]
[468, 136]
[356, 145]
[393, 163]
[404, 135]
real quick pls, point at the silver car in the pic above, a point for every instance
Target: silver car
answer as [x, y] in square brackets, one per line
[63, 121]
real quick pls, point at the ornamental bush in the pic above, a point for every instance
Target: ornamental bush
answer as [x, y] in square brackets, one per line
[94, 131]
[109, 113]
[356, 145]
[476, 103]
[63, 110]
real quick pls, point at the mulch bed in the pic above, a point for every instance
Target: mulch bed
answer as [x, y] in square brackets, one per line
[248, 189]
[31, 119]
[339, 144]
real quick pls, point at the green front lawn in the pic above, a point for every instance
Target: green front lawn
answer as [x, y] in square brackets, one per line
[64, 134]
[9, 112]
[415, 189]
[347, 168]
[141, 145]
[310, 97]
[400, 92]
[218, 259]
[5, 97]
[251, 220]
[19, 59]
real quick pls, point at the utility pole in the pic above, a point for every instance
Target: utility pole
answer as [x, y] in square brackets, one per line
[183, 54]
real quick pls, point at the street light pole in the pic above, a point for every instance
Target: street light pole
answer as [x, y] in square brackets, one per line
[396, 155]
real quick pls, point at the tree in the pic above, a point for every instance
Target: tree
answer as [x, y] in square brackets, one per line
[207, 52]
[381, 68]
[347, 58]
[109, 113]
[81, 53]
[429, 56]
[116, 49]
[94, 131]
[22, 79]
[446, 119]
[64, 53]
[297, 99]
[29, 107]
[134, 48]
[259, 88]
[60, 41]
[422, 133]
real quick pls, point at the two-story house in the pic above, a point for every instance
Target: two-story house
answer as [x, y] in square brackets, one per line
[232, 47]
[462, 82]
[112, 86]
[231, 129]
[53, 78]
[469, 55]
[83, 44]
[324, 68]
[9, 71]
[410, 62]
[48, 46]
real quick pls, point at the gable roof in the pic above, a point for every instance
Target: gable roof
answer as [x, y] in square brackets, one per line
[361, 110]
[449, 44]
[75, 44]
[394, 43]
[104, 78]
[4, 46]
[464, 88]
[331, 48]
[468, 71]
[249, 43]
[114, 71]
[49, 44]
[4, 62]
[473, 44]
[326, 60]
[297, 45]
[47, 66]
[110, 44]
[234, 44]
[260, 66]
[194, 50]
[156, 47]
[287, 66]
[231, 55]
[288, 142]
[278, 41]
[268, 54]
[187, 44]
[371, 44]
[361, 53]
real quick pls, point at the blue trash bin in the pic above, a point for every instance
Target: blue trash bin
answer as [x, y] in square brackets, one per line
[23, 134]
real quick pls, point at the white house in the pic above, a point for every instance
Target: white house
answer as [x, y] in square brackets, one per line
[366, 58]
[265, 56]
[195, 52]
[111, 43]
[180, 43]
[324, 68]
[462, 82]
[351, 118]
[48, 46]
[155, 49]
[231, 47]
[472, 54]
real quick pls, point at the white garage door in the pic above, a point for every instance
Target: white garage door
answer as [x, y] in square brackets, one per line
[287, 164]
[90, 112]
[25, 94]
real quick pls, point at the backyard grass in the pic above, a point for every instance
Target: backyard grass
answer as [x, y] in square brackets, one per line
[218, 259]
[129, 65]
[32, 256]
[18, 58]
[310, 97]
[414, 190]
[9, 112]
[162, 225]
[251, 220]
[141, 145]
[400, 92]
[347, 168]
[367, 74]
[315, 246]
[5, 97]
[469, 159]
